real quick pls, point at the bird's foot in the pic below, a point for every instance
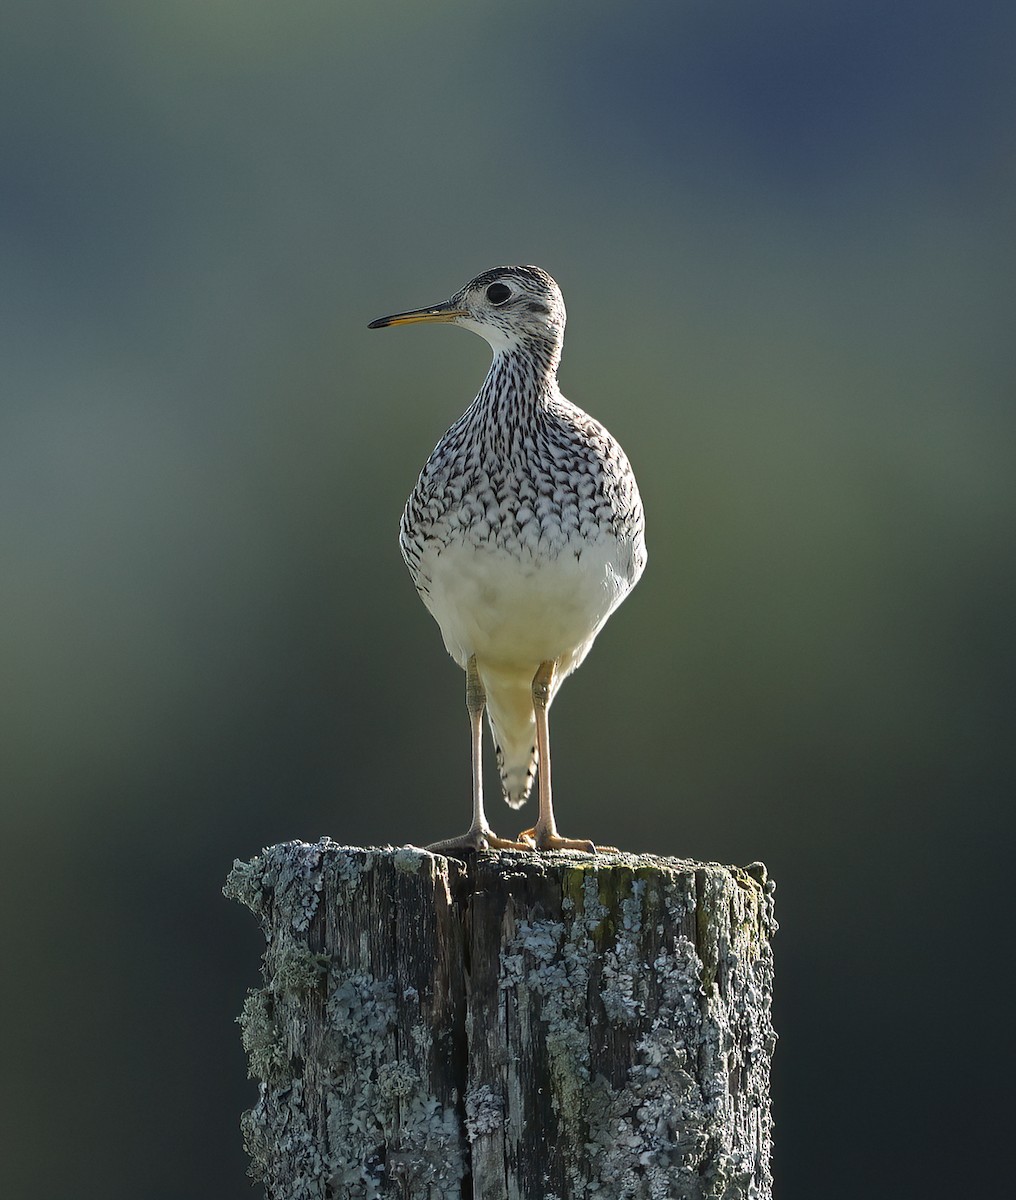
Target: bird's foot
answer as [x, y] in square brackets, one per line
[478, 837]
[542, 839]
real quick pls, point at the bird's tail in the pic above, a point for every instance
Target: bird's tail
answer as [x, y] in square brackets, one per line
[517, 774]
[513, 727]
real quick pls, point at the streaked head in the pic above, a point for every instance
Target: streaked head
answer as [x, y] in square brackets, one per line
[506, 306]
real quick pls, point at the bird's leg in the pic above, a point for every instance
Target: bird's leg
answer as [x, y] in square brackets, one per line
[544, 835]
[479, 836]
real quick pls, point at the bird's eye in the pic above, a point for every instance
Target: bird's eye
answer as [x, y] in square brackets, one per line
[498, 293]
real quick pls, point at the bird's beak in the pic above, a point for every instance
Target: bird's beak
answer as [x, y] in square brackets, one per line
[444, 313]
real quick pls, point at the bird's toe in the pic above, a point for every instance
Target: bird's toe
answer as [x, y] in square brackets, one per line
[476, 839]
[539, 839]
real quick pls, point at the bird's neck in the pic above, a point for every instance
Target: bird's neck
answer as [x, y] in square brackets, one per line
[522, 378]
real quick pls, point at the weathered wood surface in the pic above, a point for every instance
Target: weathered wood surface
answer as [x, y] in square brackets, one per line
[534, 1027]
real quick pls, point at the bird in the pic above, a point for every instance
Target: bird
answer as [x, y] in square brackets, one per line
[524, 532]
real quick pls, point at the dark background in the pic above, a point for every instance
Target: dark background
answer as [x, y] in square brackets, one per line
[785, 233]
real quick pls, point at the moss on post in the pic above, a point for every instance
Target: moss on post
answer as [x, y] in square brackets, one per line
[535, 1026]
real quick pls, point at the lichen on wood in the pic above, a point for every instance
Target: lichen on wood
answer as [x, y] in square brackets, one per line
[532, 1026]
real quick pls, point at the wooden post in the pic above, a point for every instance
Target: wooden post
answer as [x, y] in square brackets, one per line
[527, 1027]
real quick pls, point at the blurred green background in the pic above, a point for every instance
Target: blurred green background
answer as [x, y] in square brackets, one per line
[785, 233]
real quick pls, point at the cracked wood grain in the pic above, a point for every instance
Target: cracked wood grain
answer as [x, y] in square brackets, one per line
[522, 1026]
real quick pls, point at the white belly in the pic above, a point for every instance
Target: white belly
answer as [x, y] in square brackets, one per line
[514, 613]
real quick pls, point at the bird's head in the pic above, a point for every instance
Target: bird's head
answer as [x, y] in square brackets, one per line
[506, 306]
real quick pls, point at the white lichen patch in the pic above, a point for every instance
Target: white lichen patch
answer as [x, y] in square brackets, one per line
[298, 968]
[622, 990]
[484, 1112]
[343, 1053]
[659, 1119]
[285, 1155]
[346, 865]
[411, 859]
[360, 1008]
[664, 1130]
[244, 883]
[604, 1020]
[376, 1100]
[292, 873]
[262, 1037]
[397, 1079]
[256, 1133]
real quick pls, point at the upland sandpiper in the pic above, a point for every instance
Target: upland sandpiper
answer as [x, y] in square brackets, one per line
[523, 534]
